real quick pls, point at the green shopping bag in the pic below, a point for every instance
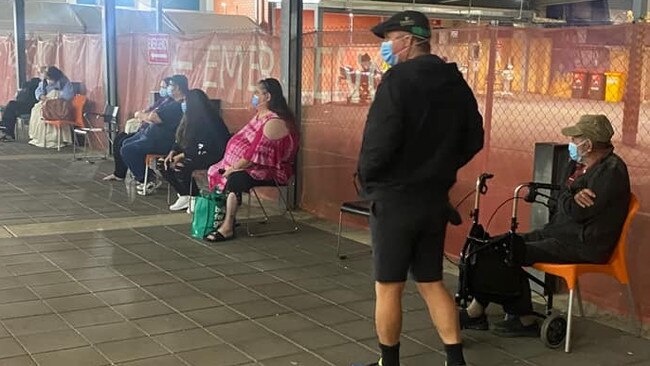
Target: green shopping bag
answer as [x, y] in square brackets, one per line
[209, 209]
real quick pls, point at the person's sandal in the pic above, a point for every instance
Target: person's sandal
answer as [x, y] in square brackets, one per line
[217, 237]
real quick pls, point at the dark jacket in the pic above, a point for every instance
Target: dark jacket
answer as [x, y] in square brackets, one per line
[206, 145]
[422, 127]
[26, 94]
[595, 229]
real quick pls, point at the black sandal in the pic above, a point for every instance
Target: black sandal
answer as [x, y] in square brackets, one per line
[217, 237]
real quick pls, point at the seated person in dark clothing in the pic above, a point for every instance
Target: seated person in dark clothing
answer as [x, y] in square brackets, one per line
[132, 126]
[157, 137]
[25, 100]
[201, 140]
[585, 225]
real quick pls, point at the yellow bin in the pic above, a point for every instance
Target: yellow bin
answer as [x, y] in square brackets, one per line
[615, 86]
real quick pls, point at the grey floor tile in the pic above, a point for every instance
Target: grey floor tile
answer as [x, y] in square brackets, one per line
[111, 332]
[164, 324]
[88, 317]
[187, 340]
[9, 348]
[59, 290]
[286, 323]
[92, 273]
[239, 331]
[22, 309]
[51, 341]
[131, 349]
[76, 356]
[330, 315]
[348, 353]
[316, 338]
[156, 361]
[35, 324]
[153, 278]
[260, 309]
[268, 347]
[143, 309]
[75, 302]
[40, 279]
[171, 290]
[191, 302]
[124, 296]
[17, 361]
[213, 316]
[107, 284]
[298, 359]
[220, 355]
[303, 301]
[358, 329]
[19, 294]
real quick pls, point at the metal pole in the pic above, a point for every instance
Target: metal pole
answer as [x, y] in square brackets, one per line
[109, 43]
[318, 54]
[291, 67]
[489, 94]
[159, 16]
[19, 41]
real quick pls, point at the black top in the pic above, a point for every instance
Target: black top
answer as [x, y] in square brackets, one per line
[422, 127]
[208, 144]
[170, 116]
[26, 94]
[595, 229]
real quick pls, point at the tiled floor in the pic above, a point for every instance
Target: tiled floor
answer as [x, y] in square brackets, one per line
[148, 294]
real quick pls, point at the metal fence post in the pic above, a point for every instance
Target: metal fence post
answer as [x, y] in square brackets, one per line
[632, 100]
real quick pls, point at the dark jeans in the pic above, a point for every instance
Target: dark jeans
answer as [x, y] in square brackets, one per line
[182, 180]
[120, 165]
[13, 109]
[538, 249]
[136, 148]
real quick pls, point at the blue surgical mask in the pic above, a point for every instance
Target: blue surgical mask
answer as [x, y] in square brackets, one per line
[574, 154]
[387, 54]
[184, 107]
[255, 101]
[170, 91]
[163, 92]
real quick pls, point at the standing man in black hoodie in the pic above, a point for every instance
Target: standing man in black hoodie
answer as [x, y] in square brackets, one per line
[422, 127]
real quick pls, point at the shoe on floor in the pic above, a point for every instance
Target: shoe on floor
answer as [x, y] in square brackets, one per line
[112, 177]
[513, 327]
[182, 203]
[149, 188]
[5, 138]
[477, 323]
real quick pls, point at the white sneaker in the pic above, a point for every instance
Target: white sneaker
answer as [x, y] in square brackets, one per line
[149, 188]
[112, 177]
[181, 203]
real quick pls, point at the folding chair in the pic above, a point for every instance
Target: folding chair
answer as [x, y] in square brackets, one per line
[252, 192]
[359, 208]
[110, 125]
[78, 103]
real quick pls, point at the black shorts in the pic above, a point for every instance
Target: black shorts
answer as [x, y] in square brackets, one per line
[408, 235]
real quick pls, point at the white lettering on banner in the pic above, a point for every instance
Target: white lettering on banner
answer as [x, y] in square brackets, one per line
[210, 64]
[238, 55]
[253, 68]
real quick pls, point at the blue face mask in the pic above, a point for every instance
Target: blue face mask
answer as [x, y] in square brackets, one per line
[170, 91]
[387, 54]
[184, 107]
[255, 101]
[163, 92]
[574, 154]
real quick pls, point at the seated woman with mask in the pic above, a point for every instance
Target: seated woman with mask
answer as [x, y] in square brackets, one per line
[54, 85]
[261, 153]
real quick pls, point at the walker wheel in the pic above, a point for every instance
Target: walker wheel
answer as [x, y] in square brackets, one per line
[553, 332]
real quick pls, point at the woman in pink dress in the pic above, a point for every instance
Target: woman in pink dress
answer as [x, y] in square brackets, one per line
[261, 153]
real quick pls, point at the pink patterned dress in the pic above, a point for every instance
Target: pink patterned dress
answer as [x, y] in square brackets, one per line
[271, 159]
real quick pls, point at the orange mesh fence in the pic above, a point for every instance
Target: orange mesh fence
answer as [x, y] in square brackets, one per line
[529, 84]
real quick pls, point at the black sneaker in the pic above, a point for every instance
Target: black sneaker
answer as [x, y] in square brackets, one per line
[513, 327]
[467, 322]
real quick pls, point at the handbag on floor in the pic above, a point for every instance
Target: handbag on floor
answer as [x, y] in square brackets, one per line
[209, 209]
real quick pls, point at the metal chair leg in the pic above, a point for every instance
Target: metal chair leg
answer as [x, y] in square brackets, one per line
[146, 177]
[45, 135]
[580, 307]
[58, 139]
[567, 344]
[635, 323]
[338, 235]
[266, 216]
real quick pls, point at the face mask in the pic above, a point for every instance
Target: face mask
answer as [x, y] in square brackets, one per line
[184, 107]
[170, 91]
[387, 54]
[255, 101]
[574, 154]
[163, 92]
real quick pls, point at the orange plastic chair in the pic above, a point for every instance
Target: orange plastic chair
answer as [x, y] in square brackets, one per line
[78, 103]
[617, 268]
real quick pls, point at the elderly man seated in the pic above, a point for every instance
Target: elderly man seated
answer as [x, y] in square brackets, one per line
[585, 226]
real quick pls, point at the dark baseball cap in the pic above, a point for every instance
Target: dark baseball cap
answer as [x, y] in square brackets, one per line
[409, 21]
[595, 127]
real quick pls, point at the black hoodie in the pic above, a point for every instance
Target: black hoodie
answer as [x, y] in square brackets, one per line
[422, 127]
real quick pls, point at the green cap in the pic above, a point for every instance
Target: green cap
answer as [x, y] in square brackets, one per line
[595, 127]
